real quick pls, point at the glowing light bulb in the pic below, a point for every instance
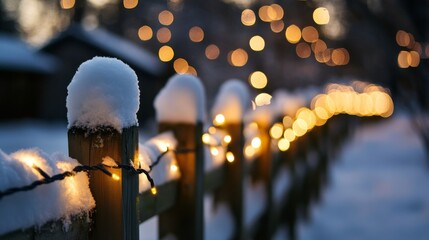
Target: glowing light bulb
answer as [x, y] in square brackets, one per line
[174, 167]
[219, 120]
[256, 142]
[164, 147]
[283, 144]
[230, 157]
[227, 139]
[206, 138]
[214, 151]
[116, 177]
[154, 191]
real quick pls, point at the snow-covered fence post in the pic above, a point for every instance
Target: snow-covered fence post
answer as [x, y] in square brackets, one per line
[180, 108]
[102, 102]
[232, 102]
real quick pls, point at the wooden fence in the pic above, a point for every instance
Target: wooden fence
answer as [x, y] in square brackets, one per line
[179, 203]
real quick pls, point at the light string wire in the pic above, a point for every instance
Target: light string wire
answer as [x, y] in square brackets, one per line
[85, 168]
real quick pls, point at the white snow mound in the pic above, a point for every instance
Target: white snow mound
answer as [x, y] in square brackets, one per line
[232, 101]
[182, 100]
[103, 92]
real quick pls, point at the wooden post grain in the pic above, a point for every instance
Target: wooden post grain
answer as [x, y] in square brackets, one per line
[115, 214]
[185, 219]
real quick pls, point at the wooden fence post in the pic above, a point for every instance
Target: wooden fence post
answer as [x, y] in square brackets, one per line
[232, 191]
[115, 214]
[185, 220]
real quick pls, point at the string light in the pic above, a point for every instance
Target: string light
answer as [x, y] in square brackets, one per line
[230, 157]
[174, 167]
[256, 142]
[227, 139]
[153, 190]
[116, 177]
[219, 120]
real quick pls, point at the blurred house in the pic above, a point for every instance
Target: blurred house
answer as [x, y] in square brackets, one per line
[23, 71]
[77, 44]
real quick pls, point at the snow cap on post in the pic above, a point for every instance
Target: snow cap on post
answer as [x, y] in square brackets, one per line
[103, 92]
[232, 101]
[182, 100]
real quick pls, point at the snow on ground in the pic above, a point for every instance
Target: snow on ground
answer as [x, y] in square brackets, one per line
[103, 92]
[379, 187]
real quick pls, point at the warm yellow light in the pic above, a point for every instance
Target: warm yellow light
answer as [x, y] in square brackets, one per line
[166, 18]
[192, 71]
[212, 130]
[227, 139]
[238, 57]
[163, 147]
[166, 53]
[310, 34]
[303, 50]
[321, 113]
[275, 12]
[130, 4]
[404, 59]
[257, 43]
[299, 127]
[256, 142]
[27, 159]
[174, 167]
[414, 59]
[163, 35]
[277, 26]
[293, 34]
[249, 151]
[283, 144]
[340, 56]
[219, 120]
[67, 4]
[318, 46]
[402, 38]
[321, 16]
[287, 121]
[263, 99]
[115, 177]
[276, 131]
[248, 17]
[230, 157]
[181, 66]
[206, 138]
[258, 80]
[196, 34]
[289, 135]
[212, 52]
[145, 33]
[263, 13]
[214, 151]
[153, 191]
[269, 13]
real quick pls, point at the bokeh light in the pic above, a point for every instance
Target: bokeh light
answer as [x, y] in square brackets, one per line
[145, 33]
[258, 80]
[321, 16]
[166, 53]
[212, 52]
[196, 34]
[257, 43]
[293, 34]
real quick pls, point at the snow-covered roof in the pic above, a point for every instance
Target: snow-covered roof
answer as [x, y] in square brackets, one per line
[115, 45]
[15, 54]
